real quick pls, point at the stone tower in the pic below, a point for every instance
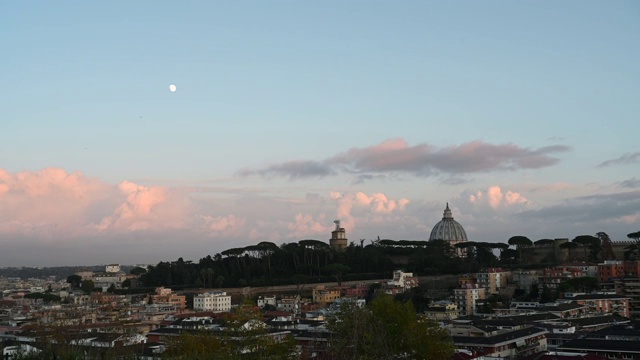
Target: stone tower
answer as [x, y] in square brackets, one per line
[338, 241]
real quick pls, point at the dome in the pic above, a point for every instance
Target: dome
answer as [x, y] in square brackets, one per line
[448, 229]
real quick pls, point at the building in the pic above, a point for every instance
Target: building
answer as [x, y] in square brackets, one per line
[450, 231]
[498, 342]
[217, 301]
[402, 280]
[323, 296]
[523, 279]
[289, 303]
[112, 268]
[492, 279]
[360, 290]
[612, 269]
[630, 287]
[442, 310]
[166, 296]
[338, 239]
[552, 277]
[602, 303]
[266, 300]
[467, 298]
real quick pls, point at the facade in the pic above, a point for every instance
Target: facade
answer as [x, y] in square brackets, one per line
[467, 298]
[603, 303]
[289, 304]
[492, 280]
[612, 269]
[442, 310]
[166, 296]
[553, 277]
[217, 301]
[266, 300]
[338, 239]
[403, 280]
[112, 268]
[523, 279]
[324, 296]
[357, 291]
[630, 287]
[450, 231]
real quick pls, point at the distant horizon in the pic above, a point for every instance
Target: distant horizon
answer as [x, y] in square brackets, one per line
[151, 131]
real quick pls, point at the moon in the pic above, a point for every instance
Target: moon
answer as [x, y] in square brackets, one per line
[172, 88]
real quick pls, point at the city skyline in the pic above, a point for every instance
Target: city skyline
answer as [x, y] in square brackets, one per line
[287, 116]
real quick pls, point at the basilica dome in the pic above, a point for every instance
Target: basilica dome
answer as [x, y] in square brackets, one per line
[448, 229]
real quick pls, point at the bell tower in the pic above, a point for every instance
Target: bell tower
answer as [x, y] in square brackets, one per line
[338, 241]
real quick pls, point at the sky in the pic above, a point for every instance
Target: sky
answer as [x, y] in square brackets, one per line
[288, 115]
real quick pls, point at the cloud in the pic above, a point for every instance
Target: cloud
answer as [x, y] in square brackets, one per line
[626, 159]
[351, 206]
[294, 170]
[622, 207]
[305, 226]
[397, 156]
[146, 208]
[229, 224]
[630, 183]
[51, 203]
[495, 198]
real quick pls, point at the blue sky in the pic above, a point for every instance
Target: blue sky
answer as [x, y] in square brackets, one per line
[286, 111]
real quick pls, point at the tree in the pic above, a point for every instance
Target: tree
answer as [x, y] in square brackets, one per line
[547, 295]
[337, 270]
[519, 241]
[74, 280]
[632, 252]
[544, 242]
[569, 246]
[386, 330]
[87, 286]
[137, 271]
[586, 241]
[244, 337]
[220, 281]
[584, 284]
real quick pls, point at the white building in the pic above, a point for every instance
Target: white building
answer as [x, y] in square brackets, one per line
[266, 300]
[217, 301]
[403, 280]
[112, 268]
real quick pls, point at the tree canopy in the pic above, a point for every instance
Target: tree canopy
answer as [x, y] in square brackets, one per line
[386, 330]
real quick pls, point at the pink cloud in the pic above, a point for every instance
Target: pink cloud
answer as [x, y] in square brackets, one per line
[146, 208]
[364, 205]
[495, 198]
[51, 203]
[631, 219]
[227, 224]
[305, 225]
[397, 156]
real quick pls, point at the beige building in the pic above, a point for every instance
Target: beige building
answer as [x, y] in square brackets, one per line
[467, 298]
[492, 280]
[324, 296]
[166, 296]
[338, 239]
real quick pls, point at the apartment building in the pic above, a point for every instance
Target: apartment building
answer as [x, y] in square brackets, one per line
[217, 301]
[467, 298]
